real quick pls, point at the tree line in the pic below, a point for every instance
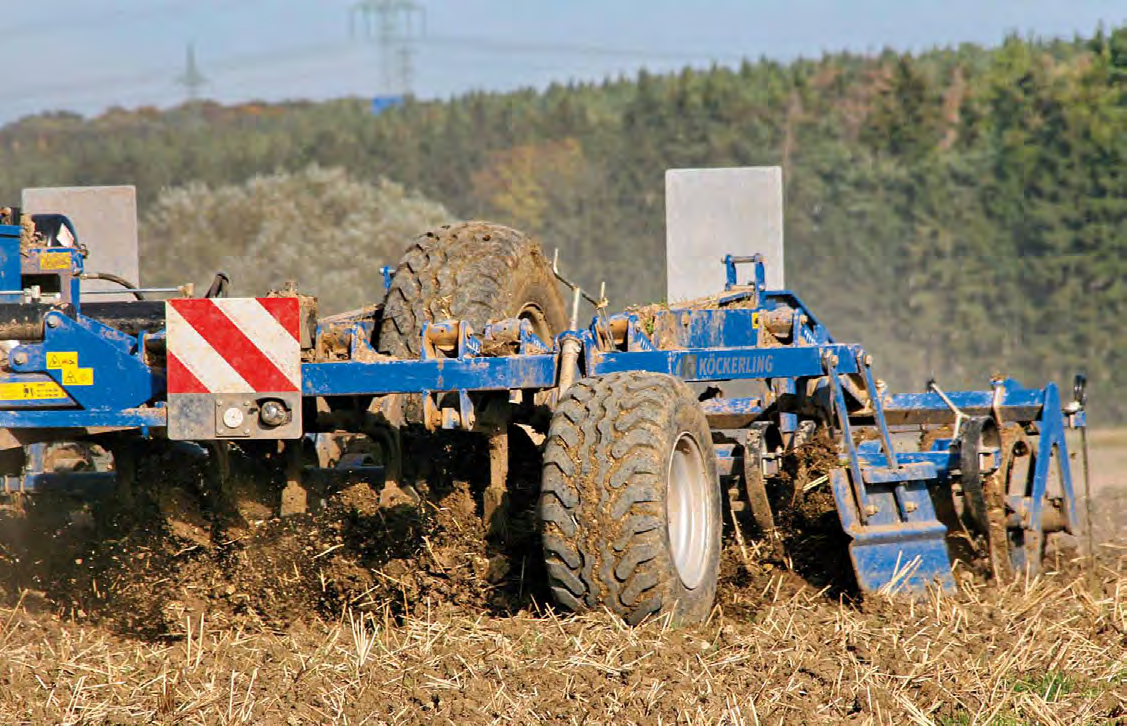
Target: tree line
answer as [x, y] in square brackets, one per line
[960, 212]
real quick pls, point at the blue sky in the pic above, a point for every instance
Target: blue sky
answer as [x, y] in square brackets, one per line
[87, 55]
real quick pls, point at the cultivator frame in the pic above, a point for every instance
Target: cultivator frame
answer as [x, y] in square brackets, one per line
[993, 471]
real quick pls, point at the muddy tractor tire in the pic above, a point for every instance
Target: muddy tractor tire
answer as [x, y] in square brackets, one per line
[630, 503]
[474, 271]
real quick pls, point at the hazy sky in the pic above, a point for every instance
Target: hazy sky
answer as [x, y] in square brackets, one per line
[86, 55]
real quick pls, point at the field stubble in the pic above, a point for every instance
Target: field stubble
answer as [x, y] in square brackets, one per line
[366, 615]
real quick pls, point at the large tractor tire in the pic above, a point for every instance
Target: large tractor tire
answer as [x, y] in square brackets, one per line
[474, 271]
[630, 502]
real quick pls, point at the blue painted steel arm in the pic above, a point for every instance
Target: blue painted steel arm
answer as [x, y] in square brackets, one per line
[1017, 404]
[540, 371]
[154, 417]
[413, 376]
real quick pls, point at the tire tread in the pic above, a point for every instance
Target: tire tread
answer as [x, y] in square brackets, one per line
[602, 501]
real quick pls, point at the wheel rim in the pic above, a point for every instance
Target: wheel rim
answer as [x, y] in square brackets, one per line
[687, 515]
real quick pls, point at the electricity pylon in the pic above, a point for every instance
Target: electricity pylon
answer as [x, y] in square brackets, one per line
[393, 25]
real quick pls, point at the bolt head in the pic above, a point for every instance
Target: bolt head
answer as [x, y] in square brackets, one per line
[20, 358]
[52, 322]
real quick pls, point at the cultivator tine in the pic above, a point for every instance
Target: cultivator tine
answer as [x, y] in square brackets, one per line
[997, 535]
[495, 504]
[1087, 496]
[898, 542]
[295, 497]
[1080, 399]
[755, 486]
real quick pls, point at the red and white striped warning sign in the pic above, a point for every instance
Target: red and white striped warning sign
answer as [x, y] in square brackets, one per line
[233, 345]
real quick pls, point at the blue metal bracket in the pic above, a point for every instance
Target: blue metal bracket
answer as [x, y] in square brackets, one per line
[1052, 450]
[512, 330]
[99, 367]
[530, 342]
[359, 345]
[36, 478]
[759, 279]
[636, 338]
[463, 417]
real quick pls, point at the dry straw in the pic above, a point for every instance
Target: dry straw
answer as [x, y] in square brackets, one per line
[1047, 650]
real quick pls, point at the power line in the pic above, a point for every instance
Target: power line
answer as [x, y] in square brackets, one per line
[52, 26]
[98, 84]
[449, 43]
[499, 45]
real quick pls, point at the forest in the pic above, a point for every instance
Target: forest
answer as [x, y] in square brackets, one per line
[961, 212]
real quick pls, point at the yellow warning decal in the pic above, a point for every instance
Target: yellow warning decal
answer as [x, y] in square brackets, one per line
[33, 391]
[78, 376]
[62, 359]
[755, 320]
[67, 362]
[54, 261]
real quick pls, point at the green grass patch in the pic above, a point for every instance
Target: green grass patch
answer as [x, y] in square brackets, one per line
[1050, 686]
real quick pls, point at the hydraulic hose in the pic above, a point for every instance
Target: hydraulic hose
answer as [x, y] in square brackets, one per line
[110, 277]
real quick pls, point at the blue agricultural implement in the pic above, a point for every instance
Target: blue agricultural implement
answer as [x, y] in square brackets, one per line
[644, 454]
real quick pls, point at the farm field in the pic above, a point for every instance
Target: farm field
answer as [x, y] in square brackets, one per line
[305, 465]
[365, 613]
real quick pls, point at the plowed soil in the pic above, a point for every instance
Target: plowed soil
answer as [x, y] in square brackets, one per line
[378, 607]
